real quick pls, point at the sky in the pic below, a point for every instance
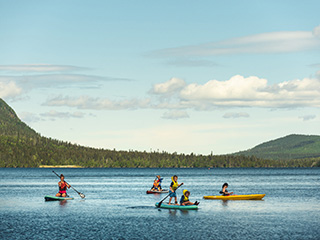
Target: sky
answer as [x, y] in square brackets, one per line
[177, 76]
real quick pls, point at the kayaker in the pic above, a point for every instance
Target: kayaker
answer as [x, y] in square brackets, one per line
[173, 186]
[184, 200]
[224, 190]
[62, 187]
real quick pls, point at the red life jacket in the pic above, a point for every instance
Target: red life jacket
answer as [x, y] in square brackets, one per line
[63, 186]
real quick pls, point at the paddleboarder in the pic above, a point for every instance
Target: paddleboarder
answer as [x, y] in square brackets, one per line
[173, 187]
[184, 200]
[62, 187]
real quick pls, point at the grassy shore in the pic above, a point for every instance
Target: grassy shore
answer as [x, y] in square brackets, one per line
[60, 166]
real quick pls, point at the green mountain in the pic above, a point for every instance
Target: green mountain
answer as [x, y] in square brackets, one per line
[11, 125]
[289, 147]
[21, 146]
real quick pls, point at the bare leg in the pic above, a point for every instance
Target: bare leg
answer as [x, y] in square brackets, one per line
[58, 195]
[187, 203]
[64, 195]
[170, 200]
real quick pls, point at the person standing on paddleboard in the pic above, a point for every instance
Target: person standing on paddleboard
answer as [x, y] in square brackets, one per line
[173, 187]
[62, 187]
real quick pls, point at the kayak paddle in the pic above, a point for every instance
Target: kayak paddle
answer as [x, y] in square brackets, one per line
[167, 196]
[80, 194]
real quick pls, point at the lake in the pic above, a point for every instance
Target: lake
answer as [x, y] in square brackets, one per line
[117, 206]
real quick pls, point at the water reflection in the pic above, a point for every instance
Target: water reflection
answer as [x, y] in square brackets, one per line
[225, 203]
[63, 203]
[172, 212]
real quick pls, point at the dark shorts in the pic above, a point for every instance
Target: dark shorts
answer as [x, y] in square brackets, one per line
[172, 194]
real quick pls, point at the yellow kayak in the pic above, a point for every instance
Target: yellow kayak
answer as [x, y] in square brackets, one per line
[236, 197]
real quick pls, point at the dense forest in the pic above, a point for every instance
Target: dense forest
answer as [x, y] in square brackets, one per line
[289, 147]
[21, 146]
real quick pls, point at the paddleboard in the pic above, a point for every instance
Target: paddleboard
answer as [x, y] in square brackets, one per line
[236, 197]
[180, 207]
[54, 198]
[157, 192]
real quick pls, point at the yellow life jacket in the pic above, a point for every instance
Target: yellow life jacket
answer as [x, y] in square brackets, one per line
[185, 197]
[175, 184]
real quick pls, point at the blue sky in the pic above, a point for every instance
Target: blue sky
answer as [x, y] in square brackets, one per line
[176, 76]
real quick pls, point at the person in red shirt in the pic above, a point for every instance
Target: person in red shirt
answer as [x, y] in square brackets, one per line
[62, 187]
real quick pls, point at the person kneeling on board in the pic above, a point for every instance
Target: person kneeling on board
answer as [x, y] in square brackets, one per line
[185, 199]
[62, 187]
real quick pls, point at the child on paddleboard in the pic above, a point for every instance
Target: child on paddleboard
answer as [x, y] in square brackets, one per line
[224, 190]
[173, 187]
[157, 184]
[62, 187]
[184, 200]
[159, 180]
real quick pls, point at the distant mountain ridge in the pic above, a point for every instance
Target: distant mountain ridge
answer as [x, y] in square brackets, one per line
[294, 146]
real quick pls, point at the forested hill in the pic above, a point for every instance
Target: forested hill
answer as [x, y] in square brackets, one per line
[21, 146]
[11, 125]
[290, 147]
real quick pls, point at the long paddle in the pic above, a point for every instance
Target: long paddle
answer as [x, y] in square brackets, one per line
[80, 194]
[167, 196]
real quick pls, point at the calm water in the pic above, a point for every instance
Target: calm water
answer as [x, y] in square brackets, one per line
[116, 206]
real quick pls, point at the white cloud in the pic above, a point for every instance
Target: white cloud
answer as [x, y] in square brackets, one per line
[40, 68]
[316, 31]
[181, 62]
[85, 102]
[175, 115]
[30, 82]
[64, 115]
[9, 89]
[236, 115]
[169, 87]
[273, 42]
[252, 92]
[29, 117]
[308, 117]
[238, 91]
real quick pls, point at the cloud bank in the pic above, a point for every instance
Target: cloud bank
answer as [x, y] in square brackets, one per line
[238, 91]
[40, 68]
[9, 89]
[308, 117]
[175, 115]
[236, 115]
[273, 42]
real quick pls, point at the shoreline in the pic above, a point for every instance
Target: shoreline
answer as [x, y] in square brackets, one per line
[59, 166]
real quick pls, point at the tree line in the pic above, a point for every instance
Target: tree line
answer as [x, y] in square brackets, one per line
[35, 150]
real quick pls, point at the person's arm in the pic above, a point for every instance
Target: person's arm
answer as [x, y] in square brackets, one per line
[171, 187]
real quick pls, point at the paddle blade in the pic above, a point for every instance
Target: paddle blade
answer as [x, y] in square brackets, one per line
[82, 195]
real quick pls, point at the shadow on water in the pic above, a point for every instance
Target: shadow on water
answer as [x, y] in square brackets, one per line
[140, 207]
